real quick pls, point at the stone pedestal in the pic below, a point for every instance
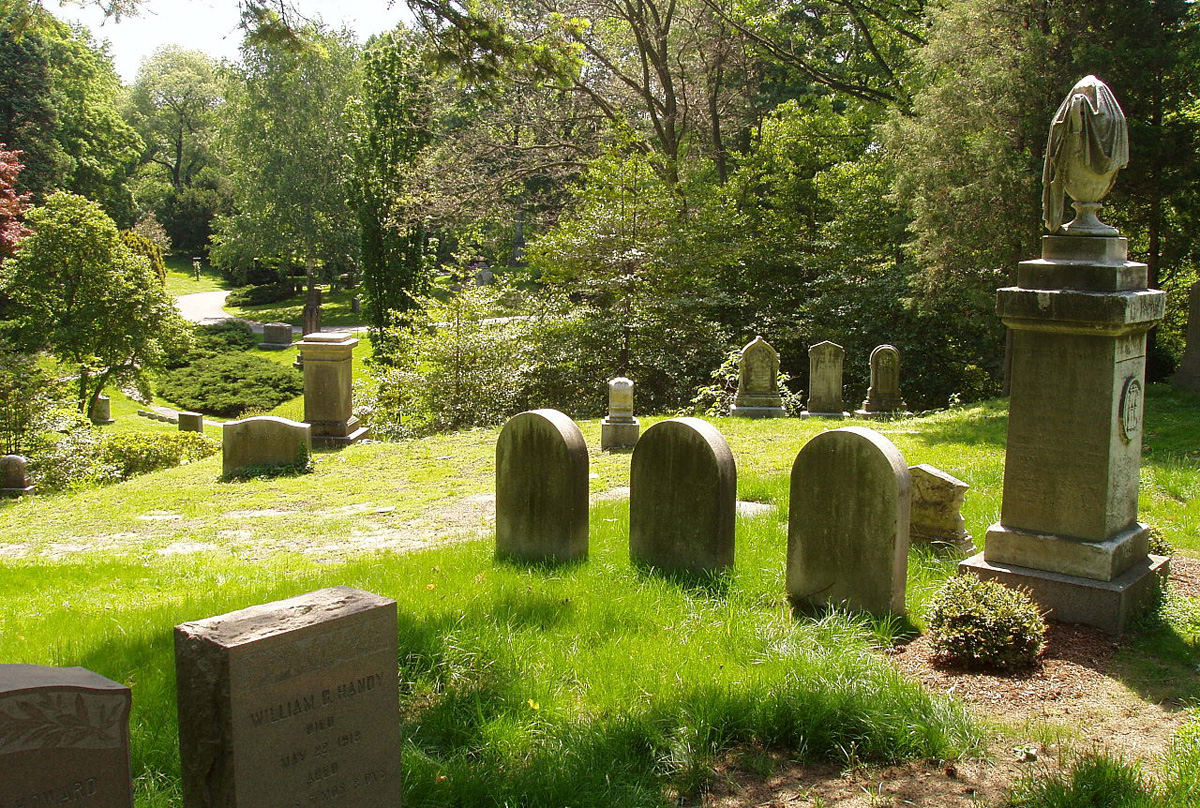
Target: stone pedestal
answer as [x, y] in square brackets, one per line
[1068, 528]
[620, 430]
[758, 383]
[1188, 375]
[191, 422]
[101, 411]
[328, 377]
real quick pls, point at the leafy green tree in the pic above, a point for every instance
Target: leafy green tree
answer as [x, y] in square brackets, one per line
[284, 137]
[81, 293]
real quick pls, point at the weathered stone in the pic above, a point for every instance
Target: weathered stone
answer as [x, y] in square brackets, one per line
[356, 304]
[848, 527]
[825, 381]
[328, 388]
[620, 429]
[312, 312]
[14, 481]
[191, 422]
[883, 396]
[1188, 375]
[276, 336]
[265, 440]
[758, 382]
[101, 411]
[682, 498]
[541, 489]
[291, 703]
[937, 499]
[64, 738]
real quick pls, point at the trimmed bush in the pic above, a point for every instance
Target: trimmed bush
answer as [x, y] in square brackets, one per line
[985, 624]
[261, 295]
[138, 453]
[231, 384]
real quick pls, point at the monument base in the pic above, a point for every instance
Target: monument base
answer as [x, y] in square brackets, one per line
[103, 421]
[1100, 561]
[832, 415]
[757, 412]
[882, 414]
[619, 434]
[1107, 605]
[16, 492]
[337, 441]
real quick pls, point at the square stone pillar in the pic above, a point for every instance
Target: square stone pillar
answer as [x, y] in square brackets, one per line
[328, 377]
[1068, 528]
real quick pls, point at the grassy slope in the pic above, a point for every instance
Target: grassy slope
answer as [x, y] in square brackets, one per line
[594, 684]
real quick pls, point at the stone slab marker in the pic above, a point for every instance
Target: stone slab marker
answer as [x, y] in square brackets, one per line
[883, 396]
[758, 382]
[276, 336]
[64, 739]
[937, 499]
[291, 703]
[541, 489]
[191, 422]
[13, 479]
[1188, 375]
[848, 526]
[620, 429]
[265, 440]
[328, 388]
[101, 411]
[682, 498]
[825, 381]
[1068, 528]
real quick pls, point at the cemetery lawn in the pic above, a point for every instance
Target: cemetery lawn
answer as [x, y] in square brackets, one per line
[336, 310]
[181, 278]
[597, 684]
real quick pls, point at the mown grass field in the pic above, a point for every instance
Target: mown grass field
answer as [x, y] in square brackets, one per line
[588, 685]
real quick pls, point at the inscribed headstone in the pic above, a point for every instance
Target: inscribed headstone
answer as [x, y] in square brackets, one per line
[620, 429]
[265, 440]
[541, 489]
[848, 526]
[883, 396]
[291, 703]
[682, 498]
[937, 499]
[758, 382]
[825, 381]
[64, 739]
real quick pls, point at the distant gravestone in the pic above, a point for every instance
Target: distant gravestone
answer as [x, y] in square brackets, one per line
[356, 304]
[883, 397]
[758, 382]
[937, 499]
[312, 311]
[291, 703]
[265, 440]
[848, 527]
[620, 429]
[329, 388]
[64, 739]
[541, 489]
[191, 422]
[14, 480]
[276, 336]
[825, 381]
[682, 498]
[101, 411]
[485, 277]
[1188, 375]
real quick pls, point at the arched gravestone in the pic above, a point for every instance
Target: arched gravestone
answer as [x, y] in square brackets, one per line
[883, 397]
[682, 498]
[848, 529]
[264, 440]
[541, 489]
[758, 382]
[825, 381]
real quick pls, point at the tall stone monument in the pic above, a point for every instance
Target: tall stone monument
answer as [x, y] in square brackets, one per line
[825, 381]
[328, 383]
[1188, 375]
[64, 738]
[1068, 528]
[620, 429]
[883, 396]
[758, 382]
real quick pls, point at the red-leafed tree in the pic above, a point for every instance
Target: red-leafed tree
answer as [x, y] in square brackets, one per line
[12, 204]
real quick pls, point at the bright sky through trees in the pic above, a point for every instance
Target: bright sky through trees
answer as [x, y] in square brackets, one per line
[212, 25]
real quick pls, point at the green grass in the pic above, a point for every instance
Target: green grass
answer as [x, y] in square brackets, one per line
[181, 277]
[592, 684]
[336, 310]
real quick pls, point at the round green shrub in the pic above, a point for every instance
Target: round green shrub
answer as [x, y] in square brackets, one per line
[985, 624]
[262, 295]
[231, 384]
[140, 452]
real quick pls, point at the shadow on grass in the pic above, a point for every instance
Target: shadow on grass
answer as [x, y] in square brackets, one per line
[985, 422]
[706, 583]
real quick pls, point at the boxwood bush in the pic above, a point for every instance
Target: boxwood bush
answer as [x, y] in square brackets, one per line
[229, 385]
[985, 624]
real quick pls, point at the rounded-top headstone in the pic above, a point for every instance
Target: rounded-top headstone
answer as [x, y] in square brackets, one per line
[682, 498]
[848, 528]
[620, 399]
[13, 470]
[541, 489]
